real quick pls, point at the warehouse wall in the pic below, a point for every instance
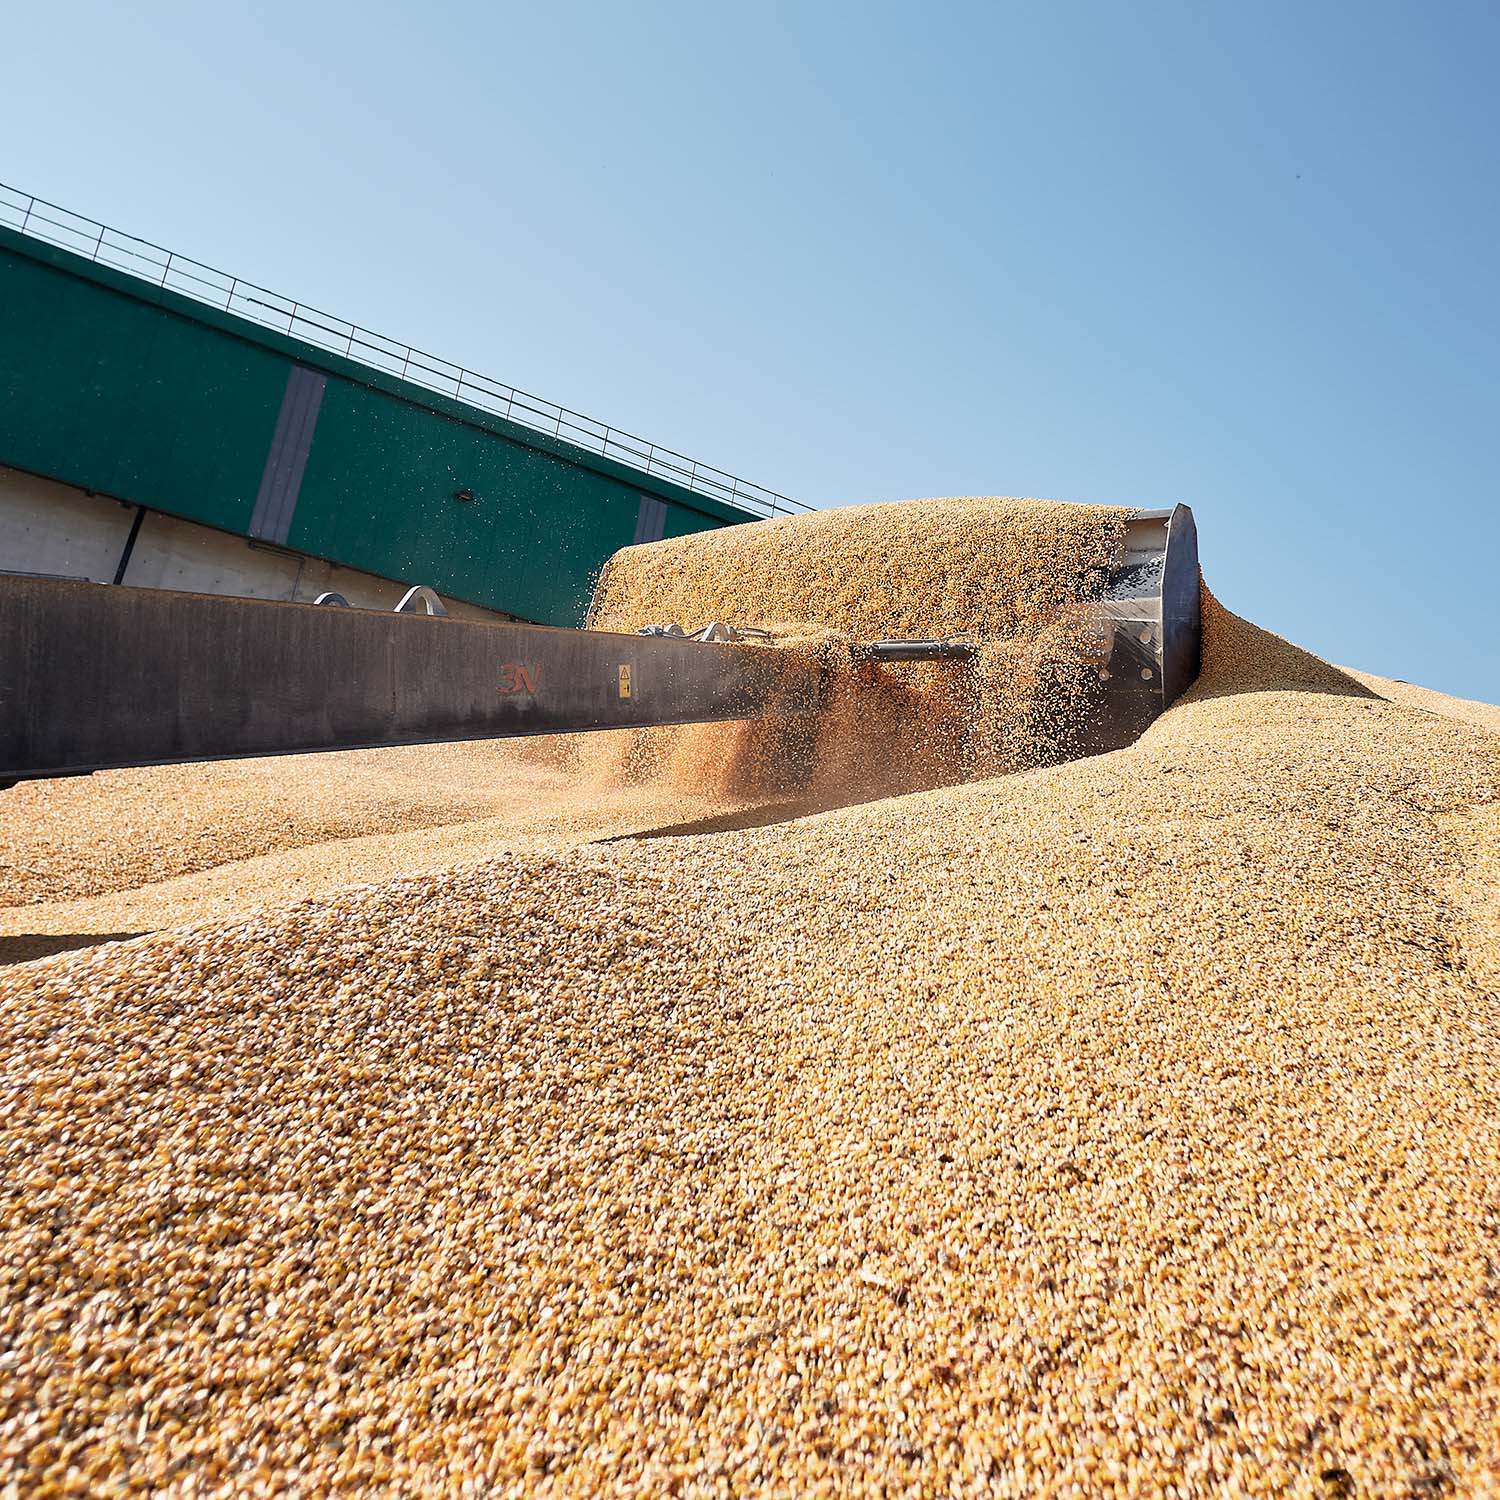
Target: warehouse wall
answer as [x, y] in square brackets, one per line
[51, 528]
[138, 394]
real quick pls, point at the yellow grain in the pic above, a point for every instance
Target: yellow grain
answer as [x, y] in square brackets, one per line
[1123, 1126]
[1011, 574]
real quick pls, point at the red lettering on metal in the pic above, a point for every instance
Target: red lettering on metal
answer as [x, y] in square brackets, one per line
[517, 677]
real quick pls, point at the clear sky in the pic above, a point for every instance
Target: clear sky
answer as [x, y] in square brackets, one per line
[1239, 255]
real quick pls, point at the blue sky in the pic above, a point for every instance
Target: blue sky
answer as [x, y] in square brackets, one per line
[1242, 256]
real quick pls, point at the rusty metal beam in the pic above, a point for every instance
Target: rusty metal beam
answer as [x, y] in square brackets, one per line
[93, 676]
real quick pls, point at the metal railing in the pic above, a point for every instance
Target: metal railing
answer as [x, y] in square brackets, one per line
[180, 273]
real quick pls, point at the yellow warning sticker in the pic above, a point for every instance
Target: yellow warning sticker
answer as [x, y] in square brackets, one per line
[625, 679]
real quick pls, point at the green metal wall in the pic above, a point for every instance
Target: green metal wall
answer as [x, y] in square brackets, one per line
[118, 387]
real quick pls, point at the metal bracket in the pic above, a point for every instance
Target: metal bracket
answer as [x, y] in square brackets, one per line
[420, 600]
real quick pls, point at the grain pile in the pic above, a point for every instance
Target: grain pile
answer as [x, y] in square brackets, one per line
[1485, 715]
[1009, 573]
[1125, 1126]
[919, 568]
[85, 835]
[117, 865]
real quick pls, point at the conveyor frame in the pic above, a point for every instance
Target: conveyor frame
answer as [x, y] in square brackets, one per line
[93, 676]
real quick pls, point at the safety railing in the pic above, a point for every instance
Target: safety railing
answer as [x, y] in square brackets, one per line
[181, 273]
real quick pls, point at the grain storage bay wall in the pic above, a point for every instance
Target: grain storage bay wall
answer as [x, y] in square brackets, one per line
[147, 438]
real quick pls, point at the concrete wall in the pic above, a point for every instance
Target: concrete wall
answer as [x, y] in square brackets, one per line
[53, 528]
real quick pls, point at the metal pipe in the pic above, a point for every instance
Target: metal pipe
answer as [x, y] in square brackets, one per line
[955, 649]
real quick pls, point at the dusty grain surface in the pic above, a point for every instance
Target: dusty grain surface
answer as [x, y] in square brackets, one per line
[992, 565]
[1124, 1126]
[532, 807]
[1471, 711]
[83, 835]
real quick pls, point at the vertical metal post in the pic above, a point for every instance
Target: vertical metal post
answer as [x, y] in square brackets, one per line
[97, 243]
[230, 298]
[135, 531]
[166, 270]
[30, 204]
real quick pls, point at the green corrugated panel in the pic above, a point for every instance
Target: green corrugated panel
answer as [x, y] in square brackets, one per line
[120, 387]
[682, 522]
[379, 493]
[113, 395]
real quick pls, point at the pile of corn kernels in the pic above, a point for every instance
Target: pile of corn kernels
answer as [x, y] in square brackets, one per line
[1124, 1126]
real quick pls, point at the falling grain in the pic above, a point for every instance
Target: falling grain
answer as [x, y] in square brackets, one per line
[1010, 574]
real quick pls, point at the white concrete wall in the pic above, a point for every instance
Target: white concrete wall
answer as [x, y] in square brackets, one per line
[51, 528]
[54, 528]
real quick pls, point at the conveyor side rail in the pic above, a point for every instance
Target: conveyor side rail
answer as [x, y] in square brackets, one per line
[93, 677]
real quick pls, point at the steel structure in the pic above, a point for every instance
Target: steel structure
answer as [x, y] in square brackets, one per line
[121, 390]
[180, 273]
